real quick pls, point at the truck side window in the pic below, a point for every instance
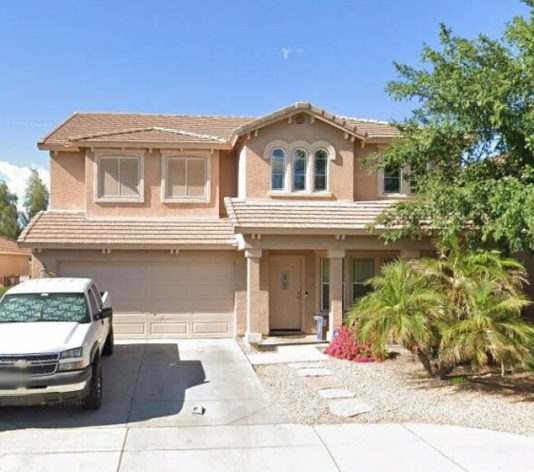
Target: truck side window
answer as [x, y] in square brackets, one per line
[92, 302]
[96, 293]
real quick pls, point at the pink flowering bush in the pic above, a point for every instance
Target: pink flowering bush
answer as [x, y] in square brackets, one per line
[346, 346]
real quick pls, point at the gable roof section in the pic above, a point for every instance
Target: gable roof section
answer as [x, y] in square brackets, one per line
[62, 229]
[9, 247]
[216, 131]
[299, 217]
[361, 129]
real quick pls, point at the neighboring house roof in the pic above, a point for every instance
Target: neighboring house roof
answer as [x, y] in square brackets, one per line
[62, 229]
[10, 248]
[335, 217]
[84, 129]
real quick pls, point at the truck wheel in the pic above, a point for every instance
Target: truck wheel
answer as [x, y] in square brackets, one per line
[108, 345]
[93, 400]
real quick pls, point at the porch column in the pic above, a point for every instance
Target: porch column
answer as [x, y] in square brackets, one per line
[335, 319]
[254, 330]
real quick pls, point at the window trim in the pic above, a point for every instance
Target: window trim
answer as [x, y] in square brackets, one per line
[352, 282]
[306, 188]
[322, 283]
[113, 154]
[284, 187]
[310, 148]
[165, 157]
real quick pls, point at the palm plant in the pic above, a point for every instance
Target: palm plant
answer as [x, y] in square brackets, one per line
[463, 307]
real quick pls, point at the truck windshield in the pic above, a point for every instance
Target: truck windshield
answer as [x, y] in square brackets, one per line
[35, 307]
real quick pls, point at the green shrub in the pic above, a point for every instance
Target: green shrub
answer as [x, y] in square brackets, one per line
[464, 307]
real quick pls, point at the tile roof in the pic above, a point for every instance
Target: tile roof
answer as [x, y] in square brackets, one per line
[193, 129]
[57, 229]
[303, 216]
[87, 125]
[8, 246]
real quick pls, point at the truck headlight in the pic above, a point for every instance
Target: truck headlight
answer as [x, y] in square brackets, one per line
[71, 359]
[76, 352]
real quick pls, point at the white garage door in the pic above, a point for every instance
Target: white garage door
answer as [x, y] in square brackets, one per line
[190, 296]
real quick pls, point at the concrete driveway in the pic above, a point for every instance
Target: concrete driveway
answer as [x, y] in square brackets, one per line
[159, 384]
[147, 423]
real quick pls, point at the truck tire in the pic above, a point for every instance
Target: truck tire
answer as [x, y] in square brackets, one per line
[93, 400]
[108, 345]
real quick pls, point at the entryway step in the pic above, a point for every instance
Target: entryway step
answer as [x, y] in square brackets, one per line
[290, 340]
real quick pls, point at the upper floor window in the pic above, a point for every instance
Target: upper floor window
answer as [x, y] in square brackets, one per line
[185, 178]
[119, 177]
[278, 169]
[300, 165]
[320, 170]
[392, 180]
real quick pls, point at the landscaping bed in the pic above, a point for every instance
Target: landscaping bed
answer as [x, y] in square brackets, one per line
[399, 390]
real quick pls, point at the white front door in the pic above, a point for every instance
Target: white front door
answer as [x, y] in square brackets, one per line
[285, 292]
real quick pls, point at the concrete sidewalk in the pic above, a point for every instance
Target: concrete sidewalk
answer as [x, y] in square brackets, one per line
[380, 447]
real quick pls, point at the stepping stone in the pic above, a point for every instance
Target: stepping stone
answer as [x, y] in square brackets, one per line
[319, 383]
[348, 407]
[305, 365]
[335, 393]
[313, 372]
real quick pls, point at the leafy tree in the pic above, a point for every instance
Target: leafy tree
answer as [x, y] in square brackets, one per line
[468, 147]
[9, 216]
[464, 307]
[36, 197]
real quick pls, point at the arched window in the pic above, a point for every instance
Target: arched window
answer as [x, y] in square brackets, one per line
[278, 169]
[320, 170]
[300, 158]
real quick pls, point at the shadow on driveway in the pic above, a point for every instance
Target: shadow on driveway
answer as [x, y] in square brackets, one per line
[141, 382]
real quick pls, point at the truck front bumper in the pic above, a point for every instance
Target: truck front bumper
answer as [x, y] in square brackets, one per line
[60, 388]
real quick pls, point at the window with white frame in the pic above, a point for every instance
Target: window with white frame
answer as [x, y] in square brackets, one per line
[119, 177]
[278, 169]
[300, 167]
[320, 170]
[325, 284]
[392, 180]
[186, 178]
[362, 271]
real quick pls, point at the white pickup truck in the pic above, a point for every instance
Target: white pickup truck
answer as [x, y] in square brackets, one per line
[52, 335]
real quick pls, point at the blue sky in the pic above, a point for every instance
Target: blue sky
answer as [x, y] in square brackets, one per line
[211, 57]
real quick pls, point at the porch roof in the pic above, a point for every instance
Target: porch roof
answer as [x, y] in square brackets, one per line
[335, 217]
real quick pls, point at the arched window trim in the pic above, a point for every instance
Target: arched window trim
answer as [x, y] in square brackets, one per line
[284, 165]
[310, 149]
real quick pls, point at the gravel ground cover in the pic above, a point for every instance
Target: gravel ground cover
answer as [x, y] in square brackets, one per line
[399, 391]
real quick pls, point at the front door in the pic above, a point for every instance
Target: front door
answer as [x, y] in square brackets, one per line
[285, 292]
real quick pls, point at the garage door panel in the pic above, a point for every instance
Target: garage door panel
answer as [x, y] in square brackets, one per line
[188, 297]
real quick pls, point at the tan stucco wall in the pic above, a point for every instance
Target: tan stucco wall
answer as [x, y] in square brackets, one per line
[258, 169]
[227, 178]
[152, 206]
[67, 181]
[365, 179]
[13, 265]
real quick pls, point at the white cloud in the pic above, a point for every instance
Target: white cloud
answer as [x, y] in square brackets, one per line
[286, 52]
[17, 176]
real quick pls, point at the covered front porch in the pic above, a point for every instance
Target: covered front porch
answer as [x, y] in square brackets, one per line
[290, 279]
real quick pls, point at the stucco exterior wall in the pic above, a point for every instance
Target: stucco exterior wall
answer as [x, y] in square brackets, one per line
[14, 265]
[152, 206]
[365, 180]
[258, 169]
[227, 178]
[67, 181]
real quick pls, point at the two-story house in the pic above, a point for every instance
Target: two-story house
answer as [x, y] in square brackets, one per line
[218, 225]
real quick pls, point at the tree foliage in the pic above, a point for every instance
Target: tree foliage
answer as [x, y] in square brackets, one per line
[464, 307]
[468, 147]
[36, 196]
[9, 217]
